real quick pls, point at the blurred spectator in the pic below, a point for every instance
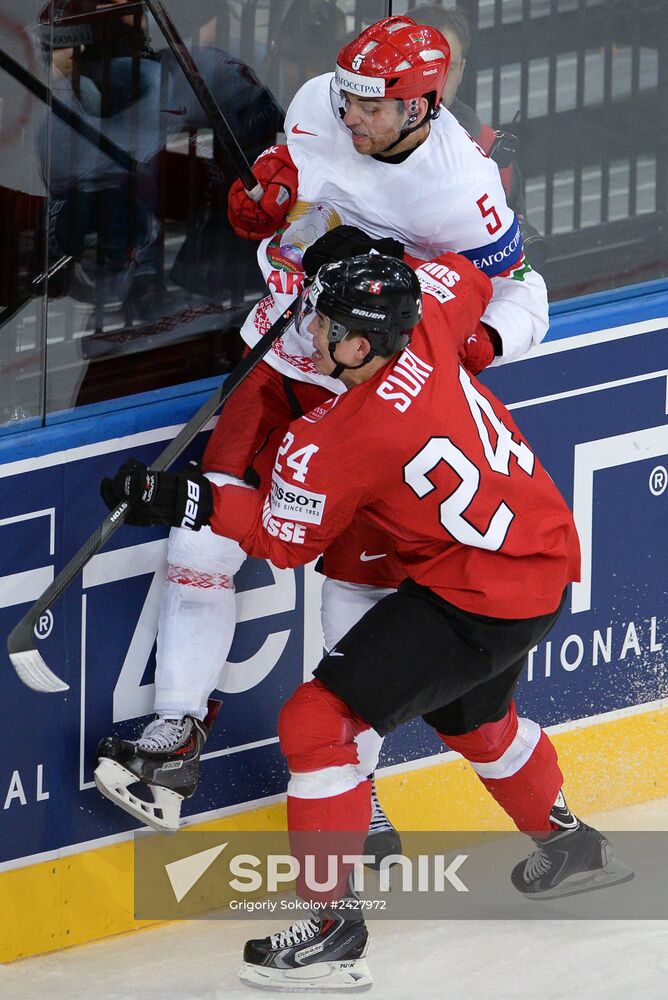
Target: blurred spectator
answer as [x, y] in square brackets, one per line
[102, 65]
[500, 145]
[309, 36]
[107, 71]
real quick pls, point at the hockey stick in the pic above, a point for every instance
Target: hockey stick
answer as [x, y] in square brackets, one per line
[26, 659]
[66, 115]
[35, 289]
[221, 129]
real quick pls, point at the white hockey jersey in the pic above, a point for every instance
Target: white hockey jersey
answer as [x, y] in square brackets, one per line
[447, 195]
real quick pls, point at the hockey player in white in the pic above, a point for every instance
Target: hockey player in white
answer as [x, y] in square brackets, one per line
[370, 146]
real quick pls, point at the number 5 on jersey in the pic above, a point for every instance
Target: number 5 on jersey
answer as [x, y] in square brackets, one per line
[488, 211]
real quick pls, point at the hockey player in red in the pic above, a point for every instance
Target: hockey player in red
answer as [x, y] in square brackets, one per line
[309, 189]
[368, 145]
[488, 547]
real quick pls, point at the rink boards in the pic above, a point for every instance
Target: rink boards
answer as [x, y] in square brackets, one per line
[595, 406]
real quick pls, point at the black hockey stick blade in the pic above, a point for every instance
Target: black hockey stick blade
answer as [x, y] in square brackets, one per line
[26, 658]
[198, 85]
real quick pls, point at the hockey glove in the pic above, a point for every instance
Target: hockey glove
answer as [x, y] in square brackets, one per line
[181, 499]
[254, 220]
[479, 350]
[346, 241]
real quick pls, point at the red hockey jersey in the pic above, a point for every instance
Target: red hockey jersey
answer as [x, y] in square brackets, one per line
[435, 459]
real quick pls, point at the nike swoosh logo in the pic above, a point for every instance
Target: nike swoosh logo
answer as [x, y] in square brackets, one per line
[334, 653]
[300, 131]
[181, 112]
[366, 558]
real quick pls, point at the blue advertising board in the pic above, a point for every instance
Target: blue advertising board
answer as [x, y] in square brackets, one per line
[595, 409]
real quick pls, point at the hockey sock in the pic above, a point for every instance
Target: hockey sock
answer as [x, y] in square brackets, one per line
[197, 620]
[329, 795]
[517, 764]
[322, 833]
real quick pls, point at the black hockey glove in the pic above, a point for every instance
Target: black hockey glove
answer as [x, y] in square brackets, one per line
[181, 499]
[346, 241]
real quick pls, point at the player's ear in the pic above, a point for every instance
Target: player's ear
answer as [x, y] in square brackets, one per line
[362, 348]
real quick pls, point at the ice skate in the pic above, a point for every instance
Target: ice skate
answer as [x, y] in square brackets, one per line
[575, 858]
[382, 838]
[165, 760]
[320, 953]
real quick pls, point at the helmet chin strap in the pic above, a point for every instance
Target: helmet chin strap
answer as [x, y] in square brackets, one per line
[339, 367]
[409, 131]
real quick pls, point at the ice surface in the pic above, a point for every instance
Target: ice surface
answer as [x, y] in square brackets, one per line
[444, 960]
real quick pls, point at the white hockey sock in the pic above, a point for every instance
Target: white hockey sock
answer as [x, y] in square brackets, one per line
[195, 632]
[197, 617]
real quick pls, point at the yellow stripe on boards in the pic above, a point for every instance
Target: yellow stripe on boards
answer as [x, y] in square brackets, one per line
[88, 896]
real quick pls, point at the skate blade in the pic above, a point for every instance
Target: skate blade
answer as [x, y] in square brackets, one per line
[614, 873]
[350, 976]
[163, 814]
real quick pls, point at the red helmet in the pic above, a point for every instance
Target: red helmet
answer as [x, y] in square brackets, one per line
[395, 57]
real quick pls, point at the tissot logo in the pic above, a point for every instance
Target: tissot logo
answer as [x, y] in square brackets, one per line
[288, 501]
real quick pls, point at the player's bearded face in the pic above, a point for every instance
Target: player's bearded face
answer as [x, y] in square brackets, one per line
[374, 125]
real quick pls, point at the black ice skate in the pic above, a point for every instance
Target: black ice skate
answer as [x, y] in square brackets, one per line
[165, 759]
[320, 953]
[382, 838]
[573, 859]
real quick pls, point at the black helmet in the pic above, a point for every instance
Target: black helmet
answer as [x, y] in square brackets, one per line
[372, 294]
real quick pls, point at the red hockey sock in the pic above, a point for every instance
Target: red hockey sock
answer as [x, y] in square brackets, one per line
[329, 799]
[348, 811]
[517, 764]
